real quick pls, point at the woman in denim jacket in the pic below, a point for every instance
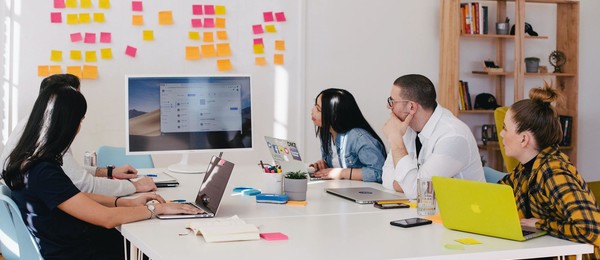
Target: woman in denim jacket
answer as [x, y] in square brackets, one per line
[357, 152]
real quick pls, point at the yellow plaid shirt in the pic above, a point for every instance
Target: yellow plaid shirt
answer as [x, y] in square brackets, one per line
[555, 194]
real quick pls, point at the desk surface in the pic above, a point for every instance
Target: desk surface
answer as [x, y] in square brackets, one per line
[328, 227]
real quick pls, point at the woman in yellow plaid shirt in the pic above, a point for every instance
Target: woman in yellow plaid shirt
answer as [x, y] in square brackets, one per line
[550, 193]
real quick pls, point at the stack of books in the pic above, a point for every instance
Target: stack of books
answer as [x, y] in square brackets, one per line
[474, 18]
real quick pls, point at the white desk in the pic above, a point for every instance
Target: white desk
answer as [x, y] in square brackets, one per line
[328, 227]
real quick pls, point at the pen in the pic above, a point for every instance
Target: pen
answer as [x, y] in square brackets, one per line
[178, 201]
[261, 164]
[150, 175]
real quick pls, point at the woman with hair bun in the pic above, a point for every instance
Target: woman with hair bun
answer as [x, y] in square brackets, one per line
[549, 192]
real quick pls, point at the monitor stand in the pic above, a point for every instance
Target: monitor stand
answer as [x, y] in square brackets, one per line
[184, 166]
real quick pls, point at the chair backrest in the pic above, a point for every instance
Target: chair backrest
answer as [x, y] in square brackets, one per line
[109, 155]
[492, 175]
[509, 162]
[17, 242]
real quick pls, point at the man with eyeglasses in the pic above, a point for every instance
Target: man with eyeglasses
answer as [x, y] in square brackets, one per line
[425, 139]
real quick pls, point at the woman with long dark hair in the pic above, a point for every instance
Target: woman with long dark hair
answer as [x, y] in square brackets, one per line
[350, 147]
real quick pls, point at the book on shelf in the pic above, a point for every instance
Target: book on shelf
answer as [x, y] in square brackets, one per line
[464, 96]
[225, 229]
[474, 18]
[566, 123]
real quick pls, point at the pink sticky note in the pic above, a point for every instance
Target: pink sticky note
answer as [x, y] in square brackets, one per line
[197, 9]
[196, 23]
[59, 3]
[137, 6]
[258, 41]
[209, 23]
[105, 37]
[130, 51]
[280, 16]
[257, 29]
[268, 16]
[273, 236]
[209, 9]
[90, 38]
[55, 17]
[76, 37]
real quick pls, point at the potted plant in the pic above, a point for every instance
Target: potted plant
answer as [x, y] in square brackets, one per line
[295, 185]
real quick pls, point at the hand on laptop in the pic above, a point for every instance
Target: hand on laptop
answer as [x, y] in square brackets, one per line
[140, 200]
[329, 173]
[319, 165]
[125, 172]
[529, 222]
[176, 208]
[144, 184]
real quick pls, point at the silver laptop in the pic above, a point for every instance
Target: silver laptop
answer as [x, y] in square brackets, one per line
[286, 154]
[211, 191]
[366, 195]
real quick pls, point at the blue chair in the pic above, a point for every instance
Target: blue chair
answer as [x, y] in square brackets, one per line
[109, 155]
[17, 242]
[492, 175]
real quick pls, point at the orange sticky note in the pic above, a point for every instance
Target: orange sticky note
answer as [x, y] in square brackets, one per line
[55, 69]
[280, 45]
[297, 203]
[104, 4]
[137, 20]
[260, 61]
[90, 72]
[75, 54]
[223, 50]
[224, 65]
[222, 35]
[71, 3]
[220, 22]
[259, 49]
[85, 18]
[194, 36]
[99, 17]
[192, 53]
[208, 37]
[90, 56]
[278, 59]
[220, 10]
[43, 71]
[165, 17]
[270, 28]
[75, 70]
[72, 19]
[56, 55]
[208, 50]
[148, 35]
[86, 3]
[106, 53]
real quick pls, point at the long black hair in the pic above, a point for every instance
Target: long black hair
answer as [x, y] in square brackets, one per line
[340, 112]
[50, 130]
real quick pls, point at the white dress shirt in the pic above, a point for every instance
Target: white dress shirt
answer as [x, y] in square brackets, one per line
[449, 149]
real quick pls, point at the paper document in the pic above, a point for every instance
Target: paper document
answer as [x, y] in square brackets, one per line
[225, 229]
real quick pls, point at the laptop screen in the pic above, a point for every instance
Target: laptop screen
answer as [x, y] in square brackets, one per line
[214, 184]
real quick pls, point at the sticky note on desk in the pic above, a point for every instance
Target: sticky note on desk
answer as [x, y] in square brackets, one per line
[297, 203]
[468, 241]
[273, 236]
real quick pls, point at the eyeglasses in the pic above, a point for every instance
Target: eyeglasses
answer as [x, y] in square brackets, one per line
[391, 101]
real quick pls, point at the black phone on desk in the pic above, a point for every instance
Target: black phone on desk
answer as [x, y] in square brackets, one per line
[391, 205]
[410, 222]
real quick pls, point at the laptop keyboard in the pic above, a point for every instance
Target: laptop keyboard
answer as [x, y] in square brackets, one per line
[195, 206]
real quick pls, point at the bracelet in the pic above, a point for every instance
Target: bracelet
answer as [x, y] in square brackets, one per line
[117, 198]
[350, 174]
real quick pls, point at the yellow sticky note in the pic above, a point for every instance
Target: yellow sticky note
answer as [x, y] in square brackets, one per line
[56, 55]
[86, 3]
[105, 4]
[222, 35]
[90, 72]
[208, 50]
[106, 53]
[194, 36]
[259, 49]
[90, 56]
[43, 71]
[224, 65]
[223, 50]
[220, 22]
[85, 18]
[75, 70]
[280, 45]
[72, 19]
[468, 241]
[75, 54]
[220, 10]
[270, 28]
[297, 203]
[165, 17]
[55, 69]
[260, 61]
[192, 53]
[278, 59]
[71, 3]
[99, 17]
[148, 35]
[208, 37]
[137, 20]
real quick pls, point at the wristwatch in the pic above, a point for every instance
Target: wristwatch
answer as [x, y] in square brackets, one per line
[109, 170]
[151, 208]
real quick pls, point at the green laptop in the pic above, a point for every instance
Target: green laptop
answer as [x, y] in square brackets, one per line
[481, 208]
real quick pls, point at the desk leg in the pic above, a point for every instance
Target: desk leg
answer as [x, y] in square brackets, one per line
[133, 252]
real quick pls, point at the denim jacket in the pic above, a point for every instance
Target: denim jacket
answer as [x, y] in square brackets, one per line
[359, 149]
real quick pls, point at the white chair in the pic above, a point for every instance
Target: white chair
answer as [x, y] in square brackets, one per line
[17, 241]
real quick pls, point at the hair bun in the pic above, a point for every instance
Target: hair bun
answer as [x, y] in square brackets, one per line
[546, 94]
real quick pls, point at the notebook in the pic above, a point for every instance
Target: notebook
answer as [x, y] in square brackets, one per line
[161, 179]
[366, 195]
[286, 154]
[481, 208]
[211, 190]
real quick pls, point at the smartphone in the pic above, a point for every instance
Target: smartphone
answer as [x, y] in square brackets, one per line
[410, 222]
[391, 206]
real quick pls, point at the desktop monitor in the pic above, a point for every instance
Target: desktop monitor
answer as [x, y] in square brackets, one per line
[184, 114]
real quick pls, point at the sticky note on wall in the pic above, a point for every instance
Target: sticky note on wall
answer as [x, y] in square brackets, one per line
[165, 17]
[75, 54]
[56, 55]
[192, 53]
[75, 70]
[224, 65]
